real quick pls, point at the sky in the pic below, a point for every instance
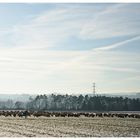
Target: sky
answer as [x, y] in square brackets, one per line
[64, 48]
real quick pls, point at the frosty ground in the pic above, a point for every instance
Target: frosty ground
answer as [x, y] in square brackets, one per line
[69, 127]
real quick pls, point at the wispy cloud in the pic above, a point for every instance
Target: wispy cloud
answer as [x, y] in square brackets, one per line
[114, 21]
[86, 22]
[116, 45]
[29, 64]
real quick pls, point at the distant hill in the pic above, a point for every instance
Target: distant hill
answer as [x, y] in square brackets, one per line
[16, 97]
[25, 97]
[128, 95]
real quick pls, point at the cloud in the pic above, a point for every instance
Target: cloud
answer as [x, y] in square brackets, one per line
[34, 69]
[118, 44]
[52, 27]
[114, 21]
[29, 65]
[87, 22]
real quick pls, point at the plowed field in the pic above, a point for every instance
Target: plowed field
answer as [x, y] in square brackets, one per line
[69, 127]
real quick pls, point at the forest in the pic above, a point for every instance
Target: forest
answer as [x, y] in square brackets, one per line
[73, 103]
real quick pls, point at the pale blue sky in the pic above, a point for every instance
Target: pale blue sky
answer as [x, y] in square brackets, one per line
[64, 48]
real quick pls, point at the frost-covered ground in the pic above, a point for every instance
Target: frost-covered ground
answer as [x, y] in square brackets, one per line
[69, 127]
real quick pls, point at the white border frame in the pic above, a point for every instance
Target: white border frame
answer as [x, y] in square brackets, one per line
[69, 1]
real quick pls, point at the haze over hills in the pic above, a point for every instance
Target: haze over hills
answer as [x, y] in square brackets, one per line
[16, 97]
[26, 97]
[129, 95]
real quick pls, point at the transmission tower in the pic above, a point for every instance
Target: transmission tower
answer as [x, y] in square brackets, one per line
[94, 91]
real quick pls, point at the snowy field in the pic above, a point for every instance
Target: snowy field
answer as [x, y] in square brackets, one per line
[69, 127]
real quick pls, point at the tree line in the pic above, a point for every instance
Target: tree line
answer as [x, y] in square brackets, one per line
[74, 103]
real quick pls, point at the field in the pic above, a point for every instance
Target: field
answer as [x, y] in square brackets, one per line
[69, 127]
